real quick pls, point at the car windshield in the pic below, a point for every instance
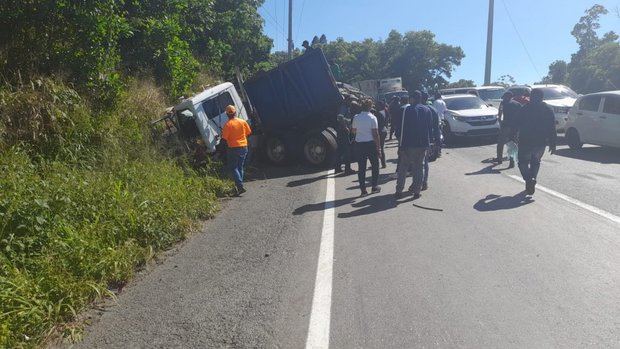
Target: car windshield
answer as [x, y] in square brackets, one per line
[491, 94]
[465, 103]
[551, 93]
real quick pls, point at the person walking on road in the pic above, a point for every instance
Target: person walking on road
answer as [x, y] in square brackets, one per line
[536, 129]
[440, 106]
[235, 133]
[395, 115]
[367, 146]
[414, 141]
[508, 113]
[380, 114]
[343, 155]
[435, 138]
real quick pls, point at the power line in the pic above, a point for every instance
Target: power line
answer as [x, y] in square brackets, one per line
[520, 38]
[301, 14]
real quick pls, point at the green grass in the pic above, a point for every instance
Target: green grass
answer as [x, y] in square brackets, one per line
[82, 204]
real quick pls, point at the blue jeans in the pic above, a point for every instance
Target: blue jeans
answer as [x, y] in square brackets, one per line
[236, 162]
[529, 161]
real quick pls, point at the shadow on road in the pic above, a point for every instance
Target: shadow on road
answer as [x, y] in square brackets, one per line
[383, 179]
[374, 204]
[491, 169]
[601, 155]
[321, 206]
[497, 202]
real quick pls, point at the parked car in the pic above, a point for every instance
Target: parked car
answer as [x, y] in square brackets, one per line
[559, 97]
[595, 119]
[469, 116]
[492, 95]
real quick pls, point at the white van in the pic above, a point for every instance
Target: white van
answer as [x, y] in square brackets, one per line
[595, 119]
[492, 95]
[204, 114]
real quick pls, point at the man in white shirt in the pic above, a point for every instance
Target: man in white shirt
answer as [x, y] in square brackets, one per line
[367, 146]
[440, 106]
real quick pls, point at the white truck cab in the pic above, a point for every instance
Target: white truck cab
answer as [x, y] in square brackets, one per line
[204, 114]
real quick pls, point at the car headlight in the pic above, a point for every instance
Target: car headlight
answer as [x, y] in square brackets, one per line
[561, 110]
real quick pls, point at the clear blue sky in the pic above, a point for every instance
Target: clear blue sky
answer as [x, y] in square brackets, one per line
[544, 25]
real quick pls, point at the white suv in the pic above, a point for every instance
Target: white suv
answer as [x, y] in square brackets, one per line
[558, 97]
[469, 115]
[595, 119]
[492, 95]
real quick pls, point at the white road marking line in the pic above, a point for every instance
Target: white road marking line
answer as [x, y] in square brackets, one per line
[575, 202]
[318, 331]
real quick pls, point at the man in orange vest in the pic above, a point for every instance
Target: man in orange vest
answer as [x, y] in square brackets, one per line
[236, 132]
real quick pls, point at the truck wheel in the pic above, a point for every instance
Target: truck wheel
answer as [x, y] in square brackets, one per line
[317, 150]
[573, 139]
[275, 150]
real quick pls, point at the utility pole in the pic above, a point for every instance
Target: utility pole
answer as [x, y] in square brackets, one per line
[290, 29]
[487, 70]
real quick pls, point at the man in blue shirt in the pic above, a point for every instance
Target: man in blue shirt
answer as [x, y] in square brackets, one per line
[414, 141]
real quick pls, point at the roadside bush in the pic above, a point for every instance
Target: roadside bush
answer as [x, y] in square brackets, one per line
[84, 200]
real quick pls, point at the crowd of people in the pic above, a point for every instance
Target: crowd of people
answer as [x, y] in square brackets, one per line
[415, 124]
[363, 129]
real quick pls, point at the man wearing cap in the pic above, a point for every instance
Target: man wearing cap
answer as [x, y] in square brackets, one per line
[235, 133]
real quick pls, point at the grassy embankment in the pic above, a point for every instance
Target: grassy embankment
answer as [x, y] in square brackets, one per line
[85, 198]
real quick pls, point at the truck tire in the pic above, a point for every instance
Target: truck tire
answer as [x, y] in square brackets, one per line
[319, 149]
[276, 150]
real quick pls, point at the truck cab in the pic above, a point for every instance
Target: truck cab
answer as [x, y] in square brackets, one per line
[203, 115]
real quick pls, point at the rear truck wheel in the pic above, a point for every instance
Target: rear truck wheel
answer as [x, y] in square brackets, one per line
[276, 151]
[320, 148]
[573, 139]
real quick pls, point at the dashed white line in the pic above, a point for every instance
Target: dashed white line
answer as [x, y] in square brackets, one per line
[318, 331]
[575, 202]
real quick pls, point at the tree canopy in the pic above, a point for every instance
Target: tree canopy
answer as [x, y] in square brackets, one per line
[415, 56]
[596, 65]
[92, 43]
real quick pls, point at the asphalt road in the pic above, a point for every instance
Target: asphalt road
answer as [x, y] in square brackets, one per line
[472, 264]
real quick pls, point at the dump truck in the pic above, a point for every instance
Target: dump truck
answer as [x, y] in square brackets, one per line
[292, 109]
[382, 89]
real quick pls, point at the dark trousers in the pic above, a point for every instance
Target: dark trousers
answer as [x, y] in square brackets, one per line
[344, 155]
[236, 161]
[367, 151]
[529, 161]
[382, 138]
[505, 135]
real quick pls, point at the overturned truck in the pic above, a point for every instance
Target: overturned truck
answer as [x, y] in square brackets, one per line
[292, 109]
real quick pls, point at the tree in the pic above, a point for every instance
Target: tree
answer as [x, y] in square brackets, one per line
[505, 80]
[461, 83]
[93, 43]
[416, 56]
[596, 65]
[558, 73]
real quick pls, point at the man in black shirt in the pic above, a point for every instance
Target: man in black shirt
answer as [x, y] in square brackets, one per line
[508, 114]
[536, 127]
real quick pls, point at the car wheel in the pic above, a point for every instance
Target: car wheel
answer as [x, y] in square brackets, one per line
[448, 136]
[573, 139]
[276, 150]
